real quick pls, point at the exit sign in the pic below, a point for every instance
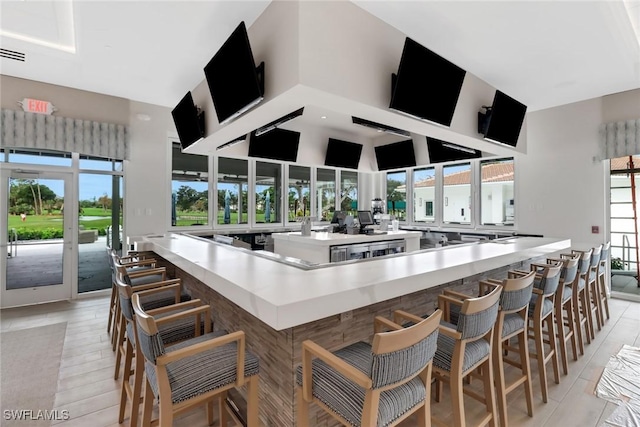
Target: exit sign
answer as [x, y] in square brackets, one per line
[31, 105]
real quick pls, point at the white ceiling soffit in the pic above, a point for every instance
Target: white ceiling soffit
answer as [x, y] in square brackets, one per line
[543, 53]
[44, 23]
[148, 51]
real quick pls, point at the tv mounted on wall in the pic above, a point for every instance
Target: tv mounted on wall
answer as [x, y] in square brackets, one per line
[236, 85]
[396, 155]
[189, 121]
[427, 86]
[343, 154]
[277, 144]
[442, 151]
[503, 120]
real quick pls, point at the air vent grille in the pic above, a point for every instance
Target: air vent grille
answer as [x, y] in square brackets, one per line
[12, 54]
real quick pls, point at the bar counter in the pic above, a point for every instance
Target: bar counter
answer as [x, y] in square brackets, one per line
[279, 306]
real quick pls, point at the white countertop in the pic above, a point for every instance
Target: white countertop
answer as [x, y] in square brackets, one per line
[283, 296]
[323, 238]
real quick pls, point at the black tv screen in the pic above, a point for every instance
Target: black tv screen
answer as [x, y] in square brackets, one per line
[277, 144]
[505, 121]
[443, 151]
[343, 154]
[427, 86]
[189, 124]
[232, 77]
[396, 155]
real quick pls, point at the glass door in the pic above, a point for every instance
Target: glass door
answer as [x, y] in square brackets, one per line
[35, 236]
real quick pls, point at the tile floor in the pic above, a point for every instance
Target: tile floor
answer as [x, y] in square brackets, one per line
[87, 390]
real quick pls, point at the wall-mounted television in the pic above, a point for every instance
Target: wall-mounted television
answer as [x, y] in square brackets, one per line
[343, 154]
[277, 144]
[189, 121]
[442, 151]
[235, 83]
[396, 155]
[503, 120]
[427, 86]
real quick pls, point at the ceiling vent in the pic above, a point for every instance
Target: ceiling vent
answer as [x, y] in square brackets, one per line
[12, 54]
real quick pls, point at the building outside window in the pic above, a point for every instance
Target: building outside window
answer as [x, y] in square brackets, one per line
[298, 204]
[189, 188]
[424, 186]
[267, 193]
[349, 192]
[233, 190]
[457, 194]
[397, 194]
[325, 194]
[496, 192]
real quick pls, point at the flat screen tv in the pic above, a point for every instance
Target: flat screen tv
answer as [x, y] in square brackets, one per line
[277, 144]
[189, 121]
[504, 119]
[442, 151]
[343, 154]
[427, 86]
[234, 82]
[396, 155]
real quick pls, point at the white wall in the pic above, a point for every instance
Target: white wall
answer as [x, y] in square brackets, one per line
[560, 190]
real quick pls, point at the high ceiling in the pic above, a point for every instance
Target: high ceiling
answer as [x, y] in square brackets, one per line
[544, 53]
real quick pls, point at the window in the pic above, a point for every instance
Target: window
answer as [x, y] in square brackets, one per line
[99, 163]
[325, 194]
[233, 190]
[268, 197]
[39, 157]
[424, 193]
[189, 188]
[496, 192]
[397, 194]
[299, 187]
[349, 192]
[457, 194]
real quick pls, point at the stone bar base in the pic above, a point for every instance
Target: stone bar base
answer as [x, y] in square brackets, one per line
[280, 351]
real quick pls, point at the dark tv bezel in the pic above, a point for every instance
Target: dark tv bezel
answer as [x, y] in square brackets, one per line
[444, 68]
[494, 116]
[255, 140]
[380, 155]
[337, 144]
[196, 120]
[436, 149]
[258, 74]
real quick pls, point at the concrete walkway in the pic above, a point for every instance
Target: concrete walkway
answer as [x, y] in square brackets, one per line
[40, 264]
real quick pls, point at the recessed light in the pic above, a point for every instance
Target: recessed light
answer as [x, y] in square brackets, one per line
[323, 117]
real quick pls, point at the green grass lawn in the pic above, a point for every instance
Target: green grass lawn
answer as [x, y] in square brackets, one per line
[54, 221]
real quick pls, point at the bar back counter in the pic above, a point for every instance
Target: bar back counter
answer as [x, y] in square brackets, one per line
[279, 305]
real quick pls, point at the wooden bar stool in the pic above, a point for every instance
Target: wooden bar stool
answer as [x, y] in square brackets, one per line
[512, 322]
[603, 299]
[541, 312]
[372, 385]
[564, 308]
[591, 291]
[465, 347]
[176, 322]
[580, 301]
[193, 372]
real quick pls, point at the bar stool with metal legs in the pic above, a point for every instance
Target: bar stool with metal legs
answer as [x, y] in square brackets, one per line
[541, 312]
[564, 308]
[511, 323]
[603, 298]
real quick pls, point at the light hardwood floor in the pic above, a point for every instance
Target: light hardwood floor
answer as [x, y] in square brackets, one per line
[86, 387]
